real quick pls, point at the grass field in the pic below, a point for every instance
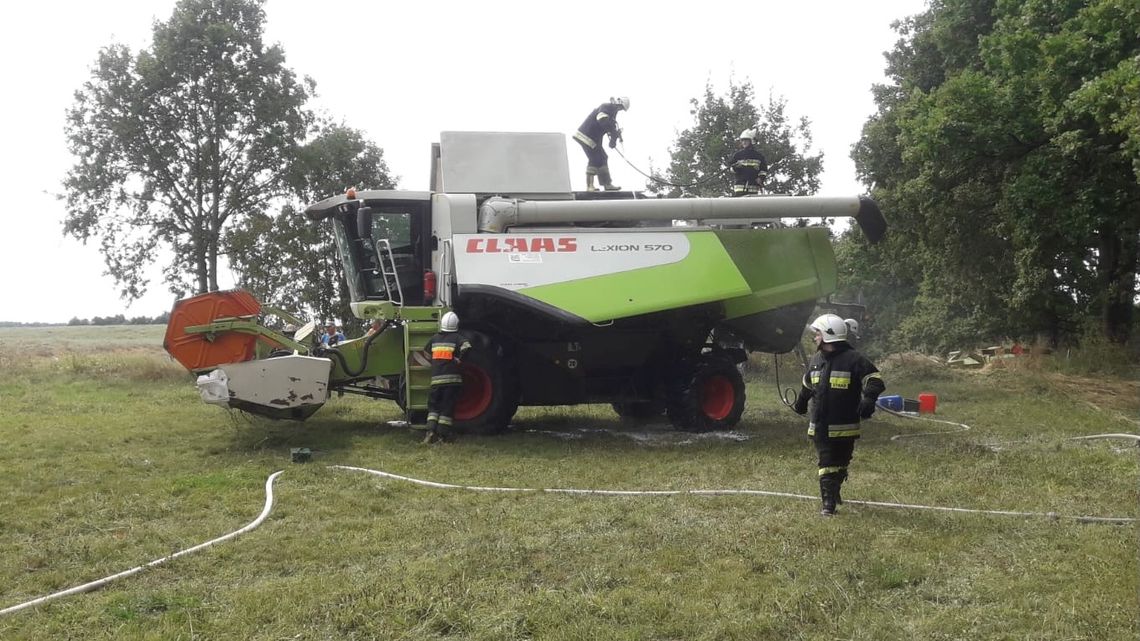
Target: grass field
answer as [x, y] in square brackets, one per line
[110, 460]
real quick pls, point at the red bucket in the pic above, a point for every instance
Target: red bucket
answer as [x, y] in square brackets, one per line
[927, 402]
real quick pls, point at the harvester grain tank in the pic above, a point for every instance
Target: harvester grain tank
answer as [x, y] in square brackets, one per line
[571, 297]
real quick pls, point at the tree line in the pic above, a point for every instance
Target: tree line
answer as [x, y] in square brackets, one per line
[117, 319]
[1005, 153]
[120, 319]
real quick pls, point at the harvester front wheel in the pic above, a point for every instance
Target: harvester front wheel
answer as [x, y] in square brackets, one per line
[490, 395]
[710, 397]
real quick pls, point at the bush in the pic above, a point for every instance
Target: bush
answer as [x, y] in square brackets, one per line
[1095, 354]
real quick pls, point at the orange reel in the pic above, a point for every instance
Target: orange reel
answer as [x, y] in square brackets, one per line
[195, 351]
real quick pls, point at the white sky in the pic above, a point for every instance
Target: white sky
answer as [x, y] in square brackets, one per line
[404, 71]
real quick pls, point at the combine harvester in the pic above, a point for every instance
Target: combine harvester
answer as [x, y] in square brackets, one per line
[569, 297]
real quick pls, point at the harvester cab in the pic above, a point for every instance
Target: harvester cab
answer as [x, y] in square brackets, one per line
[385, 243]
[570, 297]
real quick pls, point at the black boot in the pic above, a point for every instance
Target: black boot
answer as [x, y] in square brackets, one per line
[828, 489]
[607, 182]
[840, 478]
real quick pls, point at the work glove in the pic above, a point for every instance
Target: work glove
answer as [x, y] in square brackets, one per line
[613, 142]
[866, 408]
[801, 405]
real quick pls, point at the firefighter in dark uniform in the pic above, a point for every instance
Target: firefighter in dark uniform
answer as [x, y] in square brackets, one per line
[852, 331]
[601, 122]
[446, 348]
[749, 168]
[842, 386]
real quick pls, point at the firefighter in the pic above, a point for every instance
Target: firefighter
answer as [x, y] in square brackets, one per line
[842, 386]
[749, 168]
[852, 331]
[601, 122]
[446, 347]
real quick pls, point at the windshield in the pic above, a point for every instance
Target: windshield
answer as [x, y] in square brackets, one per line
[389, 264]
[396, 228]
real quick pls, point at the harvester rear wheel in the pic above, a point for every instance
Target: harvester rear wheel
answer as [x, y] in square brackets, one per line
[490, 395]
[710, 397]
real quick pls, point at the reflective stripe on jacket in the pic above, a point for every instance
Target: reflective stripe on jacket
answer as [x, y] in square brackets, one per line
[446, 348]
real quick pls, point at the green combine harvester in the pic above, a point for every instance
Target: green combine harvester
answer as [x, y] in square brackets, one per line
[648, 304]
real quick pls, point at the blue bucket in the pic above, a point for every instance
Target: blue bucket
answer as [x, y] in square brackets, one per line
[894, 403]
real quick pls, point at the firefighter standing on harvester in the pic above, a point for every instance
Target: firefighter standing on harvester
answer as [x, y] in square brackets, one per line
[842, 386]
[601, 122]
[749, 168]
[446, 347]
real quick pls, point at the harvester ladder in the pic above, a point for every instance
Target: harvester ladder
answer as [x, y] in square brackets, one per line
[417, 363]
[388, 270]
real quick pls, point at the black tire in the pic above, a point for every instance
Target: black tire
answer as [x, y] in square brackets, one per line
[639, 410]
[709, 397]
[490, 395]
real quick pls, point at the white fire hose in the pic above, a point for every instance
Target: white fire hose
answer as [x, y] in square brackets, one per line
[86, 587]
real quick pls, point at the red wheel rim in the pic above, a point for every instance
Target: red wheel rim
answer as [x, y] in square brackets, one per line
[476, 395]
[717, 397]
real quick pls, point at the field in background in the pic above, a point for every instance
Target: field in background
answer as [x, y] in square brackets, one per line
[110, 461]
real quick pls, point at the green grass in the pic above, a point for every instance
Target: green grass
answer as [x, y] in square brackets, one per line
[110, 460]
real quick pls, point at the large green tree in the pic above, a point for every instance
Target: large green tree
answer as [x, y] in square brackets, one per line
[699, 156]
[1005, 154]
[289, 261]
[175, 142]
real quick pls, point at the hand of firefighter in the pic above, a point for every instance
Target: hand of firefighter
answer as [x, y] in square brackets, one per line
[866, 407]
[801, 405]
[615, 136]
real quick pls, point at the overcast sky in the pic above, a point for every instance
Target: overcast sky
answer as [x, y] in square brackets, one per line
[404, 71]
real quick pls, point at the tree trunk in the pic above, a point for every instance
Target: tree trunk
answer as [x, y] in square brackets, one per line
[1119, 252]
[201, 273]
[212, 261]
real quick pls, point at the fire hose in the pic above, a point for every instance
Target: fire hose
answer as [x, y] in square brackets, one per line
[93, 585]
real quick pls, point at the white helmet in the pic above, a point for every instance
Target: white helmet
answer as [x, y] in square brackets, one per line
[748, 134]
[621, 100]
[852, 326]
[449, 322]
[832, 327]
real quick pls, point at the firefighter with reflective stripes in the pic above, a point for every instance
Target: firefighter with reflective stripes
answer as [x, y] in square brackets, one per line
[749, 168]
[601, 122]
[840, 389]
[446, 348]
